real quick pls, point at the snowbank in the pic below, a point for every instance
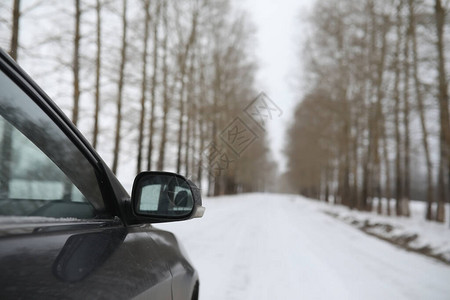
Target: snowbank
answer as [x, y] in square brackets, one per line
[413, 233]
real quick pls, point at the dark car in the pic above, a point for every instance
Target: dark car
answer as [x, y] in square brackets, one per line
[68, 229]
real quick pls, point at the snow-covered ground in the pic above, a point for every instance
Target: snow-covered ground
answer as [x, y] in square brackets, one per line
[414, 233]
[266, 246]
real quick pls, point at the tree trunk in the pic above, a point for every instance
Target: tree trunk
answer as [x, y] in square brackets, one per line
[406, 111]
[143, 84]
[398, 141]
[368, 162]
[151, 130]
[346, 168]
[15, 30]
[6, 146]
[355, 203]
[367, 165]
[162, 149]
[120, 87]
[442, 190]
[379, 119]
[213, 181]
[388, 193]
[76, 64]
[201, 124]
[443, 114]
[419, 97]
[97, 74]
[183, 62]
[190, 113]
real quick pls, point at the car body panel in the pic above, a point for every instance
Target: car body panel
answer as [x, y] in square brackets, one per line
[81, 261]
[177, 261]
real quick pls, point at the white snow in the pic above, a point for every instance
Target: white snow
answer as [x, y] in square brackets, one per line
[266, 246]
[434, 235]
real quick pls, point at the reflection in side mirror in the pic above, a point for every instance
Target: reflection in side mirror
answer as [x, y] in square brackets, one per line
[165, 196]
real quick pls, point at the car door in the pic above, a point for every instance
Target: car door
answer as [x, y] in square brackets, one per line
[62, 230]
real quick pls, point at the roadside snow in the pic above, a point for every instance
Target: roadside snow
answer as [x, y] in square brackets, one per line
[413, 233]
[265, 246]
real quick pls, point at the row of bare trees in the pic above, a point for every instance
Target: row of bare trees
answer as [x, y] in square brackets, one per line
[155, 84]
[375, 116]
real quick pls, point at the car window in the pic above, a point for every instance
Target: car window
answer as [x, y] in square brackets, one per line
[42, 173]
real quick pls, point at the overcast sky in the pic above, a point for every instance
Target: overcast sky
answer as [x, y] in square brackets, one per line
[279, 34]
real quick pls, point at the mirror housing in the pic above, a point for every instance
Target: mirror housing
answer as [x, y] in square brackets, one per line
[165, 197]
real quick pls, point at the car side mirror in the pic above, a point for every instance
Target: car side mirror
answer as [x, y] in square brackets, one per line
[164, 197]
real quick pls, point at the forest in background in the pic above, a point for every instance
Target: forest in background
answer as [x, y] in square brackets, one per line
[169, 85]
[373, 121]
[154, 85]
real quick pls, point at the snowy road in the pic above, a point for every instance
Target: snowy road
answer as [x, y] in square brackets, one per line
[263, 246]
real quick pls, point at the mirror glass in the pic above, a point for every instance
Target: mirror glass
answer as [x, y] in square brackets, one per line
[164, 195]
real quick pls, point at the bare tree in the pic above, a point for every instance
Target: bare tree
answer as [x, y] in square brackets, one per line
[420, 105]
[151, 130]
[146, 4]
[406, 124]
[398, 141]
[98, 60]
[443, 114]
[76, 63]
[379, 117]
[387, 172]
[166, 99]
[13, 51]
[6, 146]
[182, 62]
[190, 111]
[120, 84]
